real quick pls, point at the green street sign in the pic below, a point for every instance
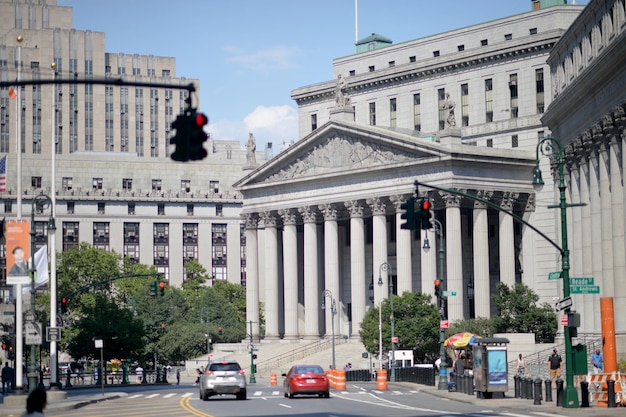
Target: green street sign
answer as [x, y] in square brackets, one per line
[581, 281]
[449, 293]
[584, 289]
[554, 275]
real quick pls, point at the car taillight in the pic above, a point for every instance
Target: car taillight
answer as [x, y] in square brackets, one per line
[209, 372]
[242, 372]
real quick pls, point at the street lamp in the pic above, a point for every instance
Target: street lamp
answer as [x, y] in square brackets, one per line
[385, 266]
[40, 203]
[333, 312]
[443, 369]
[551, 147]
[205, 313]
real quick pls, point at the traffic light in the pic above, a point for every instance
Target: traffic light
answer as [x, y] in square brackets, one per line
[63, 305]
[153, 288]
[161, 288]
[182, 124]
[4, 346]
[408, 214]
[425, 214]
[438, 291]
[198, 136]
[219, 330]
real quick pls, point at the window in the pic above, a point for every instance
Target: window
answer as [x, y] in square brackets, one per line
[190, 209]
[214, 187]
[313, 122]
[435, 54]
[70, 207]
[460, 48]
[508, 36]
[127, 184]
[131, 241]
[533, 31]
[412, 58]
[443, 113]
[464, 105]
[131, 208]
[484, 42]
[514, 141]
[8, 206]
[161, 209]
[101, 207]
[372, 68]
[392, 64]
[96, 184]
[372, 107]
[156, 185]
[513, 93]
[417, 112]
[101, 235]
[352, 73]
[219, 210]
[66, 183]
[539, 90]
[490, 143]
[393, 112]
[35, 182]
[185, 186]
[488, 100]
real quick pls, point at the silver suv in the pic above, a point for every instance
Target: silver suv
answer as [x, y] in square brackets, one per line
[223, 377]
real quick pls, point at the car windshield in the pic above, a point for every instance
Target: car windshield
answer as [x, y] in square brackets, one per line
[225, 367]
[309, 369]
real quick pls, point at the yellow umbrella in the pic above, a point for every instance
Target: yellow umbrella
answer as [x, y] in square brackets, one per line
[460, 340]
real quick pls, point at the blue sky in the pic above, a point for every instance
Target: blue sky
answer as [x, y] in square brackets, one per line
[250, 54]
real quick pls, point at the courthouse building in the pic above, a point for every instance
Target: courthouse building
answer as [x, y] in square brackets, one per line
[461, 110]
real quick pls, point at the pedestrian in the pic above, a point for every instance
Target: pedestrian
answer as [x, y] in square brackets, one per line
[459, 365]
[177, 376]
[139, 373]
[35, 403]
[597, 359]
[520, 366]
[554, 365]
[7, 378]
[438, 364]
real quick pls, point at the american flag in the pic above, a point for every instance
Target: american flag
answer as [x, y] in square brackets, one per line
[3, 174]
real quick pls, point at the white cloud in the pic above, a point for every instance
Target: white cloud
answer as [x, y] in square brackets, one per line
[277, 58]
[276, 124]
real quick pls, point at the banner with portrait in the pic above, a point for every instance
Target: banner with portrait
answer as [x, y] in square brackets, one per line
[17, 236]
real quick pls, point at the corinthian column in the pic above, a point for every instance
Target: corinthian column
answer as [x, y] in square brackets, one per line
[331, 264]
[272, 313]
[290, 276]
[403, 249]
[311, 289]
[482, 295]
[357, 264]
[379, 244]
[454, 252]
[252, 274]
[507, 241]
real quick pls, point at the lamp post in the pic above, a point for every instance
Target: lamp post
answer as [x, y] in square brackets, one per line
[205, 313]
[549, 146]
[385, 266]
[333, 312]
[40, 203]
[443, 369]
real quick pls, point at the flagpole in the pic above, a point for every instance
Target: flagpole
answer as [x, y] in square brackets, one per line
[19, 313]
[52, 244]
[356, 21]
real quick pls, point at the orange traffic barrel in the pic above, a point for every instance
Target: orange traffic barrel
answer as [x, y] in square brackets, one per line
[381, 380]
[340, 379]
[331, 377]
[273, 380]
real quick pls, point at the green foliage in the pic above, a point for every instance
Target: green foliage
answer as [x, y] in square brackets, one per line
[481, 326]
[416, 325]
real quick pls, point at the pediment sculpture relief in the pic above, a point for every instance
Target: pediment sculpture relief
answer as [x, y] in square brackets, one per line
[340, 153]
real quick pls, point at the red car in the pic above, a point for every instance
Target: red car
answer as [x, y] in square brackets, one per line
[306, 379]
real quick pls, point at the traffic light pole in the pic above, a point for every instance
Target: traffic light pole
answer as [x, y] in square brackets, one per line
[251, 347]
[443, 368]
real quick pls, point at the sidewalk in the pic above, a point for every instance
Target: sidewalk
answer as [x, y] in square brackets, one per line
[76, 401]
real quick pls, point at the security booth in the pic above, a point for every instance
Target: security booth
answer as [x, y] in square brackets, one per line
[490, 366]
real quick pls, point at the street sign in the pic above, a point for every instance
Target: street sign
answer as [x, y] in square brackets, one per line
[444, 324]
[449, 293]
[564, 303]
[581, 281]
[554, 275]
[584, 289]
[33, 333]
[394, 339]
[53, 334]
[564, 319]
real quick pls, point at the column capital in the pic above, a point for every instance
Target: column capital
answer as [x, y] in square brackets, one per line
[309, 214]
[269, 219]
[397, 201]
[329, 211]
[451, 200]
[289, 216]
[355, 208]
[251, 219]
[531, 203]
[484, 195]
[508, 199]
[377, 205]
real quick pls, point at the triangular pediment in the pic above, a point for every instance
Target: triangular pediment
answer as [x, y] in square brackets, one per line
[338, 148]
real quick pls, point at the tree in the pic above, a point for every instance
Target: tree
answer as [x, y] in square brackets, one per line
[416, 325]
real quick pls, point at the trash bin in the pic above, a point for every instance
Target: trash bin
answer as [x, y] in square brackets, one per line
[490, 366]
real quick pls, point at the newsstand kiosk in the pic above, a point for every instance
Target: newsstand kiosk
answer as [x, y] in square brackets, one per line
[490, 367]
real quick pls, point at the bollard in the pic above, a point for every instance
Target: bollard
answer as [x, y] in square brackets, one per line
[610, 393]
[537, 384]
[559, 392]
[548, 390]
[470, 384]
[529, 381]
[516, 383]
[273, 381]
[125, 375]
[68, 383]
[584, 393]
[526, 394]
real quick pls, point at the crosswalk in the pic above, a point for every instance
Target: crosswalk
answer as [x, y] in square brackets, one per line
[264, 393]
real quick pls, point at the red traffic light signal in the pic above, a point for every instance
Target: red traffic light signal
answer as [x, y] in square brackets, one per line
[64, 305]
[4, 346]
[201, 119]
[425, 214]
[161, 288]
[219, 330]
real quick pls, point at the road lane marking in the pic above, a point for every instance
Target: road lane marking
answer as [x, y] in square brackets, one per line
[152, 395]
[284, 405]
[188, 394]
[169, 395]
[184, 403]
[275, 392]
[136, 396]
